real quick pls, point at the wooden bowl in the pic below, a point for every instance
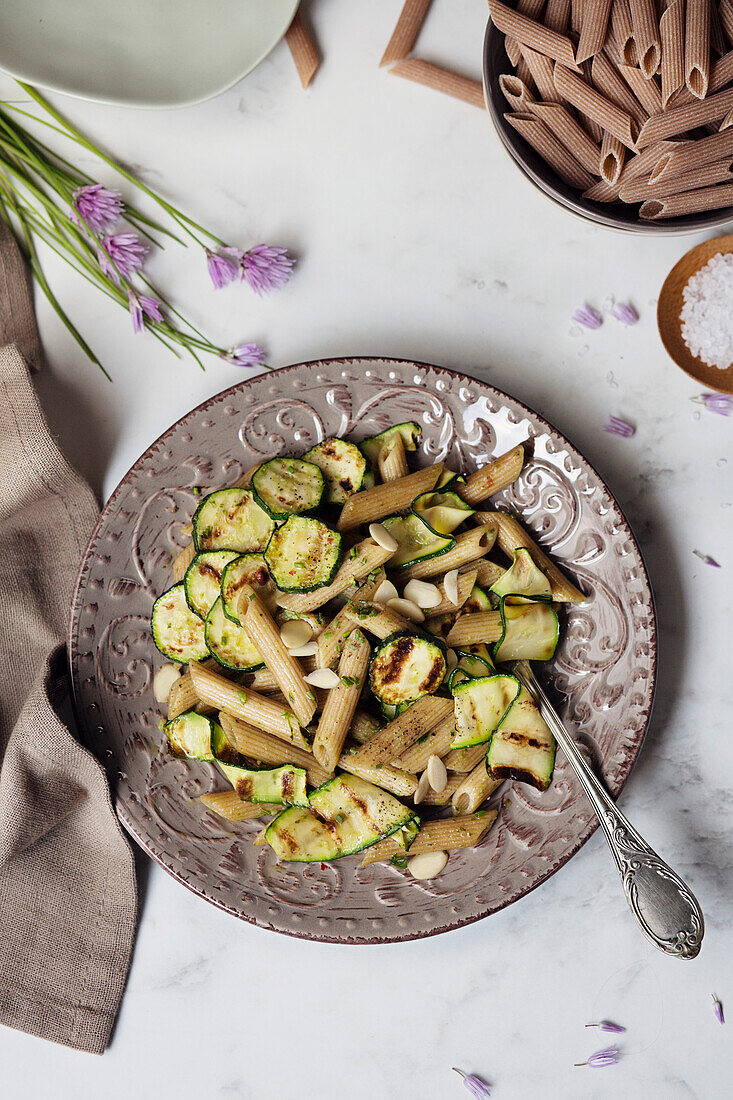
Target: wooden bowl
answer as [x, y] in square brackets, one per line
[669, 308]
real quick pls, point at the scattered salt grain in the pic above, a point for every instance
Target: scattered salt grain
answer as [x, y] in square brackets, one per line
[707, 312]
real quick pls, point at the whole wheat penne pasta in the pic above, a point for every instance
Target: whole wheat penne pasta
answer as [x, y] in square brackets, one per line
[531, 8]
[623, 32]
[557, 15]
[607, 80]
[470, 545]
[361, 560]
[613, 153]
[576, 16]
[464, 761]
[435, 743]
[246, 704]
[511, 536]
[718, 41]
[332, 638]
[721, 74]
[396, 737]
[727, 122]
[596, 106]
[697, 46]
[263, 747]
[644, 163]
[376, 620]
[245, 480]
[645, 26]
[515, 92]
[647, 92]
[488, 572]
[442, 798]
[602, 191]
[525, 75]
[688, 202]
[383, 500]
[513, 50]
[594, 28]
[541, 70]
[474, 790]
[338, 711]
[572, 135]
[550, 149]
[182, 562]
[263, 680]
[302, 49]
[680, 159]
[183, 697]
[392, 460]
[475, 627]
[406, 31]
[530, 33]
[397, 782]
[228, 804]
[725, 14]
[264, 632]
[466, 581]
[441, 80]
[678, 120]
[448, 834]
[492, 478]
[704, 176]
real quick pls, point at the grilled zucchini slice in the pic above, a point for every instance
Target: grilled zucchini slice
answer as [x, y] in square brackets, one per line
[284, 785]
[417, 541]
[522, 747]
[345, 816]
[245, 569]
[442, 511]
[303, 554]
[177, 631]
[522, 580]
[343, 465]
[449, 479]
[287, 486]
[231, 519]
[372, 445]
[230, 643]
[193, 735]
[480, 705]
[474, 662]
[531, 631]
[406, 667]
[203, 579]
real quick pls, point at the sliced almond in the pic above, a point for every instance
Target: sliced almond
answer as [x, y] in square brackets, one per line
[295, 633]
[451, 658]
[423, 786]
[424, 594]
[164, 680]
[322, 678]
[437, 774]
[427, 864]
[381, 535]
[406, 608]
[308, 650]
[386, 591]
[450, 584]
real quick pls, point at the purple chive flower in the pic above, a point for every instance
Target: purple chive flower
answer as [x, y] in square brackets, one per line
[96, 207]
[587, 317]
[720, 403]
[718, 1010]
[707, 559]
[246, 355]
[265, 268]
[607, 1057]
[475, 1085]
[608, 1025]
[120, 255]
[616, 426]
[141, 306]
[224, 266]
[625, 313]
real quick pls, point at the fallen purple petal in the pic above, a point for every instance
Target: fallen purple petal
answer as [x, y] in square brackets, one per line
[224, 266]
[121, 255]
[151, 308]
[246, 355]
[625, 313]
[720, 403]
[616, 426]
[96, 207]
[607, 1057]
[608, 1025]
[587, 317]
[474, 1084]
[136, 312]
[707, 559]
[266, 268]
[718, 1010]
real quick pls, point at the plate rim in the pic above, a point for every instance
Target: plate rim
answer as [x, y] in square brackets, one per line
[374, 938]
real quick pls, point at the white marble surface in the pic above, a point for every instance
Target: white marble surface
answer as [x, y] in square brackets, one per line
[418, 238]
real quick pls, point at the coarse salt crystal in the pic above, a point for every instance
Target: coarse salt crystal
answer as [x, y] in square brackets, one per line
[707, 312]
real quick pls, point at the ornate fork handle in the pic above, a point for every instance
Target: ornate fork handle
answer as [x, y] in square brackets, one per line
[665, 908]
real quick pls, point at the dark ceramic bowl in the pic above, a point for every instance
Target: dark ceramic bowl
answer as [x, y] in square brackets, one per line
[622, 216]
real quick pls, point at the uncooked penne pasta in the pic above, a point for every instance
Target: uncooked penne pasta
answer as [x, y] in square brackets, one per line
[684, 157]
[727, 121]
[672, 34]
[361, 560]
[596, 106]
[182, 562]
[442, 798]
[697, 46]
[593, 29]
[718, 41]
[441, 80]
[576, 16]
[541, 70]
[376, 620]
[302, 49]
[607, 80]
[703, 176]
[511, 536]
[265, 634]
[435, 743]
[263, 747]
[446, 835]
[474, 790]
[465, 584]
[557, 15]
[397, 736]
[392, 460]
[406, 31]
[644, 163]
[678, 120]
[572, 135]
[475, 627]
[647, 92]
[688, 202]
[374, 504]
[465, 760]
[530, 33]
[492, 478]
[623, 31]
[602, 191]
[228, 804]
[394, 780]
[613, 154]
[725, 14]
[645, 26]
[721, 74]
[524, 74]
[470, 545]
[516, 92]
[338, 711]
[246, 704]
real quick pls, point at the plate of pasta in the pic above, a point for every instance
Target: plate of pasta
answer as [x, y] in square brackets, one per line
[292, 641]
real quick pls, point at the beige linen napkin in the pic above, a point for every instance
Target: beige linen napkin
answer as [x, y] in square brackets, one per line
[68, 898]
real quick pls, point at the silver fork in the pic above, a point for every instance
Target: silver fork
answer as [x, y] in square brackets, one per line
[665, 908]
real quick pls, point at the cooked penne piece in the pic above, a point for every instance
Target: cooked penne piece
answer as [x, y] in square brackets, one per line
[374, 504]
[332, 638]
[488, 572]
[465, 584]
[470, 545]
[511, 536]
[265, 634]
[361, 560]
[435, 836]
[390, 742]
[646, 35]
[376, 620]
[475, 789]
[594, 28]
[302, 49]
[464, 760]
[392, 460]
[183, 697]
[596, 106]
[228, 804]
[572, 135]
[442, 798]
[492, 478]
[397, 782]
[246, 704]
[264, 681]
[263, 747]
[182, 562]
[441, 80]
[688, 202]
[697, 46]
[435, 743]
[338, 711]
[406, 31]
[529, 33]
[474, 628]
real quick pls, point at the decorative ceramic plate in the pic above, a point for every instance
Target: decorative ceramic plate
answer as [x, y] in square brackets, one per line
[139, 53]
[603, 673]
